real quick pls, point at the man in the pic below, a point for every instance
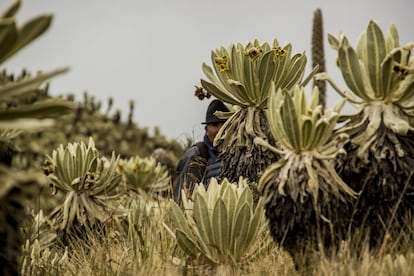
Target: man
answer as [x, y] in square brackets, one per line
[199, 163]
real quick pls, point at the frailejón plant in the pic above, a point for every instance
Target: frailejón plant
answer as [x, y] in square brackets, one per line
[221, 224]
[244, 76]
[380, 76]
[88, 180]
[302, 191]
[144, 174]
[12, 40]
[16, 188]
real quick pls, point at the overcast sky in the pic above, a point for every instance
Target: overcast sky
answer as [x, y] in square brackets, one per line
[152, 51]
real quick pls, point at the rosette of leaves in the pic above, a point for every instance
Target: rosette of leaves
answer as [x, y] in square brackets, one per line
[220, 224]
[302, 191]
[40, 228]
[144, 227]
[39, 248]
[89, 182]
[144, 174]
[37, 261]
[380, 78]
[243, 76]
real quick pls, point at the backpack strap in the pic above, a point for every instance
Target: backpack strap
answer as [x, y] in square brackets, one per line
[203, 150]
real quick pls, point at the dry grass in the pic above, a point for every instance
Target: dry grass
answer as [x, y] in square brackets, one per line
[143, 246]
[115, 256]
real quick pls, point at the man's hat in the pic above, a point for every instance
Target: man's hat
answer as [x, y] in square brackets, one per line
[214, 106]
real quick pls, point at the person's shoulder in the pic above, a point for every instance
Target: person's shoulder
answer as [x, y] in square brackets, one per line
[192, 151]
[190, 154]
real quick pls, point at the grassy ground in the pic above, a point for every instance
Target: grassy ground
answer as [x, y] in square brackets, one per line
[144, 246]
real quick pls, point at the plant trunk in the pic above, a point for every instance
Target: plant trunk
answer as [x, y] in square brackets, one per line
[301, 225]
[385, 183]
[246, 159]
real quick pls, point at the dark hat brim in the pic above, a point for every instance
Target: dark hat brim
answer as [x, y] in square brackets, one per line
[213, 122]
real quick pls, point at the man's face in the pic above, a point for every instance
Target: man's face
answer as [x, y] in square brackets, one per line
[212, 130]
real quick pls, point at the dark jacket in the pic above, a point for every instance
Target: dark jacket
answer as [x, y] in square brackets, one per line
[194, 168]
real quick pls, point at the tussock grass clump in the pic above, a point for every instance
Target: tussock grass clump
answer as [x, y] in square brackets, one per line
[112, 253]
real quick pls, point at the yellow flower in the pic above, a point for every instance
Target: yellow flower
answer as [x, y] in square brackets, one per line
[253, 52]
[279, 52]
[221, 63]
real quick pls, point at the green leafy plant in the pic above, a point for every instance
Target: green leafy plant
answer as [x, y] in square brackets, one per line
[88, 180]
[145, 231]
[244, 76]
[39, 261]
[40, 114]
[221, 224]
[12, 40]
[39, 247]
[16, 190]
[302, 190]
[379, 75]
[40, 229]
[144, 174]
